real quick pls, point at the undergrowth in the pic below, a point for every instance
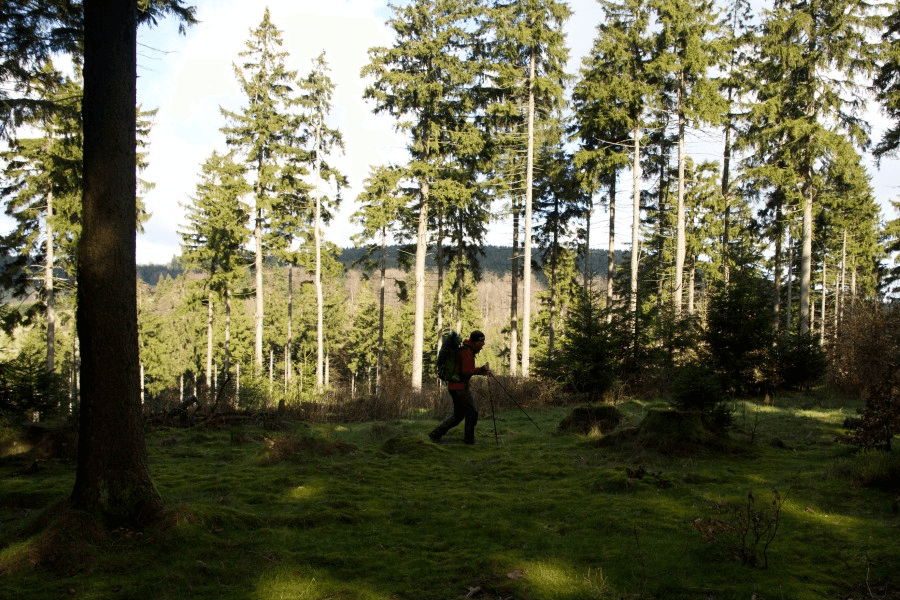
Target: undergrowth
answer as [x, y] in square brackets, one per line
[373, 510]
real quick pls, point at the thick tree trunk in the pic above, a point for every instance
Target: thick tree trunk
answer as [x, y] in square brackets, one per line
[112, 477]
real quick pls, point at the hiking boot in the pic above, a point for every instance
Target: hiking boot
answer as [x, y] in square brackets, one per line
[434, 437]
[468, 442]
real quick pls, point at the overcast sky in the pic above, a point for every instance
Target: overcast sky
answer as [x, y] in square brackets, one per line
[188, 78]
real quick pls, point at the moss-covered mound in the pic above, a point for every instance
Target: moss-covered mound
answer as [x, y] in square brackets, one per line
[672, 431]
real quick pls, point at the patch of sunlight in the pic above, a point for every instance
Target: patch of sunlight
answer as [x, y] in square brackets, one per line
[301, 583]
[547, 580]
[15, 448]
[15, 555]
[305, 492]
[285, 584]
[812, 514]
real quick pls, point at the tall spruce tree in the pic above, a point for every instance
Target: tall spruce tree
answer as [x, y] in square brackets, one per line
[530, 41]
[612, 97]
[887, 82]
[737, 44]
[263, 133]
[381, 205]
[42, 190]
[422, 81]
[316, 91]
[808, 98]
[684, 53]
[215, 237]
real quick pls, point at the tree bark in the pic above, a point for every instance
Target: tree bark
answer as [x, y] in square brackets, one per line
[112, 477]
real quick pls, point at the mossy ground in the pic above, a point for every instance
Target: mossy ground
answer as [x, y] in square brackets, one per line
[376, 511]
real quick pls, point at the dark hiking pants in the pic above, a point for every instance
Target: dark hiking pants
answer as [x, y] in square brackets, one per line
[463, 408]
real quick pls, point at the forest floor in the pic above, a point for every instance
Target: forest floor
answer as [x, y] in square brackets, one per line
[776, 510]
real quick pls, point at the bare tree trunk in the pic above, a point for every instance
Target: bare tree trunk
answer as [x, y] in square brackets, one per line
[779, 253]
[551, 338]
[460, 275]
[806, 261]
[824, 293]
[529, 181]
[380, 366]
[611, 252]
[289, 350]
[680, 241]
[419, 322]
[840, 288]
[726, 196]
[258, 265]
[317, 236]
[227, 369]
[439, 258]
[790, 285]
[635, 227]
[691, 283]
[514, 298]
[48, 286]
[209, 345]
[112, 477]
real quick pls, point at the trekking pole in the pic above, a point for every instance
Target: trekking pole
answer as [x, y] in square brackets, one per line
[513, 399]
[494, 416]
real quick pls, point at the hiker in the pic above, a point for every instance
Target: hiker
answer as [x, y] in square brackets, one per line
[458, 386]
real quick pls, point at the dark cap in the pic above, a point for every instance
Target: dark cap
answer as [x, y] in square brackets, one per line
[476, 336]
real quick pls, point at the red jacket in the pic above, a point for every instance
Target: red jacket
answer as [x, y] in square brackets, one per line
[465, 368]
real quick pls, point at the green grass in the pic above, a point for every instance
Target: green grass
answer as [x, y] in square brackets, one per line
[265, 515]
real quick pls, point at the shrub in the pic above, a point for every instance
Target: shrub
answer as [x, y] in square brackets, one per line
[698, 388]
[880, 418]
[26, 386]
[866, 348]
[743, 533]
[739, 332]
[584, 361]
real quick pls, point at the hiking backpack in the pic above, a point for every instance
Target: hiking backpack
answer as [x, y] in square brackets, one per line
[446, 359]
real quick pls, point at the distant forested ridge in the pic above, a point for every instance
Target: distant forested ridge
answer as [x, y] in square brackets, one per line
[495, 261]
